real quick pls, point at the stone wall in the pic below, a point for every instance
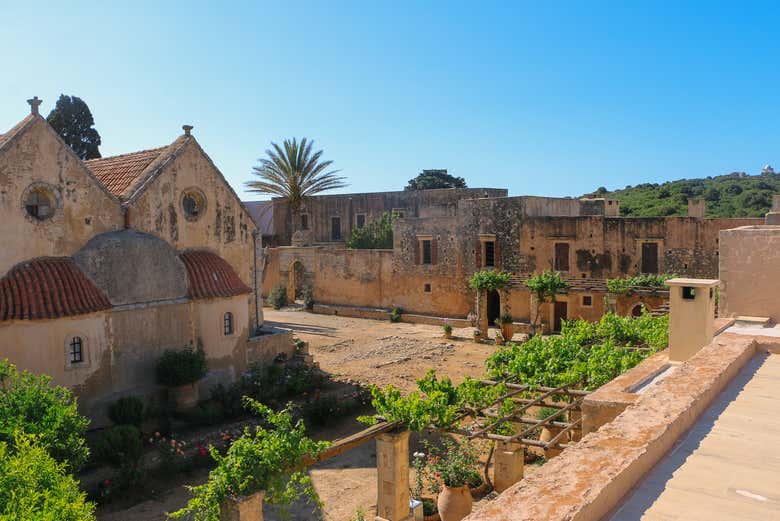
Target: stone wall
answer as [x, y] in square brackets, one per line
[413, 203]
[749, 272]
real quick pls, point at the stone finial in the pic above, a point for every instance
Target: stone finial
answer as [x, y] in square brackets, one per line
[35, 102]
[187, 129]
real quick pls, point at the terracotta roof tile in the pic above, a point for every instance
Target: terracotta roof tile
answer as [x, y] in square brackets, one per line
[117, 173]
[211, 276]
[48, 288]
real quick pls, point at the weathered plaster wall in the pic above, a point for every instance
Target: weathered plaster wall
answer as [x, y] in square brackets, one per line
[224, 228]
[226, 354]
[83, 207]
[749, 272]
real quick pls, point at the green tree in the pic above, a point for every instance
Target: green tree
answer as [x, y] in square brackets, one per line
[544, 287]
[33, 485]
[72, 120]
[429, 179]
[29, 404]
[293, 172]
[375, 235]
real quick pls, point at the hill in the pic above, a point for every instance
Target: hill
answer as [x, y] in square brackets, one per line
[732, 195]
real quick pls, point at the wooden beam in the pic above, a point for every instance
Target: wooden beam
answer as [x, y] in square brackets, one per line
[342, 445]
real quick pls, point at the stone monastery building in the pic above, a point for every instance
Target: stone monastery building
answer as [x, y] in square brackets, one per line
[105, 263]
[444, 236]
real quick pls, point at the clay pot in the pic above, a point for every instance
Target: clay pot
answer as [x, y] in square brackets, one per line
[478, 491]
[185, 396]
[454, 503]
[548, 433]
[507, 331]
[448, 334]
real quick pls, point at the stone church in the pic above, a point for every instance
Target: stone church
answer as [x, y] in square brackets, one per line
[106, 263]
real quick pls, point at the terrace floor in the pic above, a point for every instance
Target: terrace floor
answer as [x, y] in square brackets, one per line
[728, 465]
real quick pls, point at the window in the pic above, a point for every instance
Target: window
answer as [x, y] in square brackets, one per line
[76, 350]
[227, 323]
[427, 288]
[688, 293]
[427, 252]
[335, 228]
[490, 254]
[561, 256]
[304, 221]
[587, 301]
[193, 202]
[39, 204]
[360, 220]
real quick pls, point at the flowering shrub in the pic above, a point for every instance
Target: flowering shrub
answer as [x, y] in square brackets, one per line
[453, 464]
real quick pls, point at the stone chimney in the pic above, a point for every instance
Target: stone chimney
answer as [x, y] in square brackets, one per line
[187, 129]
[34, 104]
[691, 316]
[773, 217]
[696, 208]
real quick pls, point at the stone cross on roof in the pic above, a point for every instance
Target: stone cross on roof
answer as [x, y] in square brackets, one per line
[187, 129]
[34, 104]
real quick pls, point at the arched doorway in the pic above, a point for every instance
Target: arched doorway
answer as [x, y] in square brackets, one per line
[636, 311]
[295, 287]
[493, 307]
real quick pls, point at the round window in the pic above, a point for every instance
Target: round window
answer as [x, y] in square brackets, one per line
[39, 203]
[194, 204]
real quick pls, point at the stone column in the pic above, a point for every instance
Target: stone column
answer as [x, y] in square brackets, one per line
[509, 464]
[245, 508]
[392, 469]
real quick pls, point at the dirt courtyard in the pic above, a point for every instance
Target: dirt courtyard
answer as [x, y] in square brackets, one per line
[358, 350]
[380, 352]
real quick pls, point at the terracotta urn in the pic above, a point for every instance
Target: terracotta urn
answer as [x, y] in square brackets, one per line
[448, 334]
[547, 434]
[454, 503]
[185, 396]
[507, 331]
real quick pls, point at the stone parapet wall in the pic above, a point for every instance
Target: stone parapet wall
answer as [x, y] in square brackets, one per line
[589, 479]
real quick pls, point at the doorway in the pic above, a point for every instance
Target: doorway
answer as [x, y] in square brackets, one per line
[296, 281]
[560, 314]
[493, 307]
[649, 257]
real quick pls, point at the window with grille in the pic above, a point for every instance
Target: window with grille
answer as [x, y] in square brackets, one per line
[227, 323]
[39, 204]
[427, 253]
[360, 220]
[490, 254]
[587, 300]
[76, 350]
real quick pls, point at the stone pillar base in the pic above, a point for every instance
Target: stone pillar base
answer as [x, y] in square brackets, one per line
[244, 508]
[509, 465]
[392, 465]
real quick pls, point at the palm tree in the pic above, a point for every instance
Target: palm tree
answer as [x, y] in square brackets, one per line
[294, 173]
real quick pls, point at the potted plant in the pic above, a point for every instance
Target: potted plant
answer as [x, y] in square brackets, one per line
[180, 371]
[507, 328]
[258, 466]
[453, 465]
[499, 338]
[430, 510]
[447, 330]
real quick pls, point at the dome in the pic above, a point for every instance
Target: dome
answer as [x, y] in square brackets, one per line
[132, 267]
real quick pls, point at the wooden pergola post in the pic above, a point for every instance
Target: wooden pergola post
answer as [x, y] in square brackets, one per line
[392, 466]
[509, 466]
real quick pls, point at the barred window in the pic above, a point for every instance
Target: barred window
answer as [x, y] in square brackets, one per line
[227, 322]
[76, 351]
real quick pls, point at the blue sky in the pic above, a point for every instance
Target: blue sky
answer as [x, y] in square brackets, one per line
[543, 98]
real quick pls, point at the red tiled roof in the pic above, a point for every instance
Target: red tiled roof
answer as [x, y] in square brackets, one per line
[48, 288]
[117, 173]
[211, 276]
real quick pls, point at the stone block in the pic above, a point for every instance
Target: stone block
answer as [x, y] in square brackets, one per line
[244, 508]
[509, 465]
[392, 465]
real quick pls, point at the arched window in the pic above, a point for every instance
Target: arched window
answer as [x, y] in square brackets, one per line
[227, 323]
[76, 350]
